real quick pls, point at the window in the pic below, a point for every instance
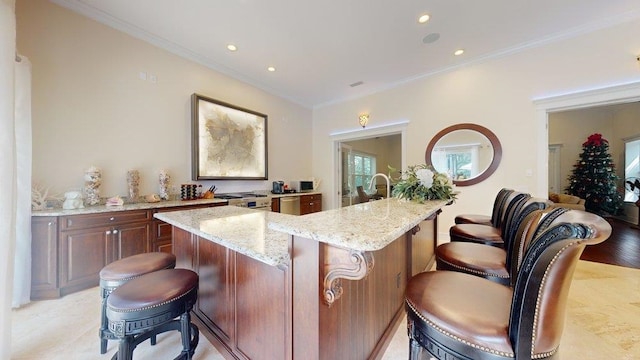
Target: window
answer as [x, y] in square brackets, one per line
[461, 161]
[631, 166]
[364, 167]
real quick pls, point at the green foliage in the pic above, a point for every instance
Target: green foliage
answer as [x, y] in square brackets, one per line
[421, 183]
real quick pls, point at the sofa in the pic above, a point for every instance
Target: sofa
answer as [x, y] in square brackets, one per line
[566, 201]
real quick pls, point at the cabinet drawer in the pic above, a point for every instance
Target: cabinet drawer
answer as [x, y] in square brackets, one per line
[309, 198]
[104, 219]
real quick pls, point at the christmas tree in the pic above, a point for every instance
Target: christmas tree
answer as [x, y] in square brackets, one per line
[594, 178]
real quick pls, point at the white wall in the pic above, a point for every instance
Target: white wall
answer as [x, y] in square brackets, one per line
[91, 108]
[497, 94]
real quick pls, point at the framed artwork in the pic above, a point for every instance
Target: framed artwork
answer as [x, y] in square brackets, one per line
[228, 142]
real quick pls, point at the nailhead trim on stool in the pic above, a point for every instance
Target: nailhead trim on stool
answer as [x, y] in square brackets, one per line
[120, 272]
[149, 305]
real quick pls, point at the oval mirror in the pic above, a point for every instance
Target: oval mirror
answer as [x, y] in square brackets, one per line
[469, 153]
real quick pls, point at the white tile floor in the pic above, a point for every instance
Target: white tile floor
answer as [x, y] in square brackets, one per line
[603, 322]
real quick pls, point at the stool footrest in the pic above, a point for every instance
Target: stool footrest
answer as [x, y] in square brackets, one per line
[135, 340]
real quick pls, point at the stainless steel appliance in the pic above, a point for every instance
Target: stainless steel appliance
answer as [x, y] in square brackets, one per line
[249, 200]
[290, 205]
[302, 185]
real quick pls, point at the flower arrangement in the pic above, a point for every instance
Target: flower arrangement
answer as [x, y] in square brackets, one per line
[421, 183]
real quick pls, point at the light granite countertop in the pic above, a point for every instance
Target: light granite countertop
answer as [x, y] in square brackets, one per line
[97, 209]
[239, 229]
[264, 235]
[363, 227]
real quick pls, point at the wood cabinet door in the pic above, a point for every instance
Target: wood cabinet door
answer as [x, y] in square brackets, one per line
[184, 248]
[132, 239]
[44, 257]
[215, 294]
[275, 204]
[83, 253]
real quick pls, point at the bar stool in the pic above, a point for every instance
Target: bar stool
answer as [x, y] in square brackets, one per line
[149, 305]
[121, 271]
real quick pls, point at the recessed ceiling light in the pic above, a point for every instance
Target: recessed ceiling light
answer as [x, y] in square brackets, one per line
[232, 47]
[458, 52]
[423, 18]
[271, 68]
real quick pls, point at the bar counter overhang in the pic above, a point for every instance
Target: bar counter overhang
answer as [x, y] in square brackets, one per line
[327, 285]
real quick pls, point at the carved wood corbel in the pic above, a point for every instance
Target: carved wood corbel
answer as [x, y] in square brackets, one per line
[343, 264]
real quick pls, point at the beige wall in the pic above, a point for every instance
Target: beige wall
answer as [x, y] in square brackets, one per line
[497, 94]
[91, 108]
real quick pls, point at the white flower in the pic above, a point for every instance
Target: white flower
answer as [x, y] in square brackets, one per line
[425, 176]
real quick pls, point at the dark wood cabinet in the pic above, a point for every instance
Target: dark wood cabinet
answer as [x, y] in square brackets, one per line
[275, 204]
[69, 251]
[310, 203]
[89, 242]
[241, 301]
[83, 253]
[44, 257]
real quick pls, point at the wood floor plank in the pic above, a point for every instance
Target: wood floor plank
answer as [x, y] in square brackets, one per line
[622, 248]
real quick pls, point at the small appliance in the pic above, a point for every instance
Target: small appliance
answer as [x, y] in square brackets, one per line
[278, 187]
[303, 185]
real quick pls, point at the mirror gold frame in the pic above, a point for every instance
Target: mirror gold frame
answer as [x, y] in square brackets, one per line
[491, 137]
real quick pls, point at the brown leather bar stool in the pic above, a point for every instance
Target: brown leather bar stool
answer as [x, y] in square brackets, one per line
[149, 305]
[494, 220]
[121, 271]
[453, 315]
[490, 262]
[489, 235]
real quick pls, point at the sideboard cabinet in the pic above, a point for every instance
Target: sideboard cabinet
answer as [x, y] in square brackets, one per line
[68, 251]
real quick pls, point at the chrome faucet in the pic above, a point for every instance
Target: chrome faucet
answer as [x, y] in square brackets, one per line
[386, 178]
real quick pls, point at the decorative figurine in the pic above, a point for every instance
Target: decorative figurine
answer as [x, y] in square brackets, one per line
[133, 181]
[72, 200]
[92, 181]
[164, 180]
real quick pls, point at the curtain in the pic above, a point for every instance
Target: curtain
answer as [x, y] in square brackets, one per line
[22, 269]
[7, 169]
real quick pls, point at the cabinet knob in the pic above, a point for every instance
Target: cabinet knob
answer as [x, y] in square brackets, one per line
[111, 219]
[50, 223]
[108, 232]
[115, 231]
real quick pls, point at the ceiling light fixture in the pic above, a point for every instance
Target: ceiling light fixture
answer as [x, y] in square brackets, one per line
[363, 119]
[232, 47]
[271, 68]
[458, 52]
[423, 18]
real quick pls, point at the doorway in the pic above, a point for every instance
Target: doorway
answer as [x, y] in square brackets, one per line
[363, 158]
[387, 144]
[592, 99]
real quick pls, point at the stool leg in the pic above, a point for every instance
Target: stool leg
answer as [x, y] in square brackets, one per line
[185, 332]
[125, 350]
[103, 326]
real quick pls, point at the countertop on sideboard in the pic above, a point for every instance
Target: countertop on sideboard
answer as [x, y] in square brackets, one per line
[264, 235]
[96, 209]
[273, 196]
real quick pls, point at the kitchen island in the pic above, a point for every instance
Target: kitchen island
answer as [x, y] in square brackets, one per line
[327, 285]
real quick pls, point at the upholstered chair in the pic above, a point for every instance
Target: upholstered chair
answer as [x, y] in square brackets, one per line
[453, 315]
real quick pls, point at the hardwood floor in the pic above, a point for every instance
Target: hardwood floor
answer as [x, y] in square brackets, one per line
[622, 248]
